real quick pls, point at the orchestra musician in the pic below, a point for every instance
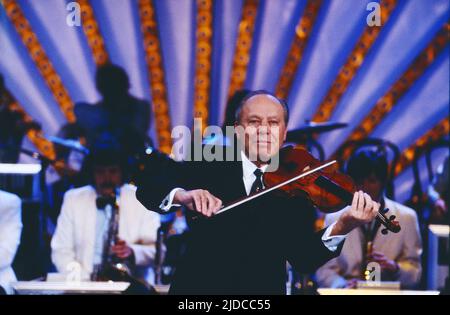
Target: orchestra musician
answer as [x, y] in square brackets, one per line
[10, 231]
[118, 113]
[244, 251]
[83, 225]
[398, 255]
[10, 204]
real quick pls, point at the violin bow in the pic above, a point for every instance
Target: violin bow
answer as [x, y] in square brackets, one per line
[265, 191]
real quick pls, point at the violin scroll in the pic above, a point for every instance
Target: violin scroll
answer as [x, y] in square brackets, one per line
[389, 223]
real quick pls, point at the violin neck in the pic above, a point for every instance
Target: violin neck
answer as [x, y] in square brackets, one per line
[329, 185]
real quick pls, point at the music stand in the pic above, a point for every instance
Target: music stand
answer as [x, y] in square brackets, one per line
[59, 288]
[44, 204]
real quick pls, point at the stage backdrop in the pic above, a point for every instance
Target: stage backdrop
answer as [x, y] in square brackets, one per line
[322, 56]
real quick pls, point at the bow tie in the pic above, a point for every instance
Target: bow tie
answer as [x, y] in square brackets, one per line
[103, 201]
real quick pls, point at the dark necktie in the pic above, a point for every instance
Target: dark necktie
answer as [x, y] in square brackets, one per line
[258, 183]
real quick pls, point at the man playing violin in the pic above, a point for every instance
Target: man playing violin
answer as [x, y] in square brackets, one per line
[244, 250]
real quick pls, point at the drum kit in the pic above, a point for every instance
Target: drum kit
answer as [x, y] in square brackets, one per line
[306, 135]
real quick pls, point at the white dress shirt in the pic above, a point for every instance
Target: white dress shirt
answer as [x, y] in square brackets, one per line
[248, 172]
[248, 176]
[10, 231]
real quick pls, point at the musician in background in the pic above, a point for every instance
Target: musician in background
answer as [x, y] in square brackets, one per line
[397, 254]
[438, 194]
[119, 113]
[83, 224]
[12, 127]
[10, 231]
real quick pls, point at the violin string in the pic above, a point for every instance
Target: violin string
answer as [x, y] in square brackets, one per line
[382, 218]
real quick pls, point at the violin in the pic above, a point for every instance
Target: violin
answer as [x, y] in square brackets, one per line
[327, 188]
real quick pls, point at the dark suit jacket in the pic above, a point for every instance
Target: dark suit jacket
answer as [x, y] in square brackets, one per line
[244, 250]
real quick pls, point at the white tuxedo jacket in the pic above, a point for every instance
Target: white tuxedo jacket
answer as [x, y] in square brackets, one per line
[405, 248]
[10, 231]
[74, 238]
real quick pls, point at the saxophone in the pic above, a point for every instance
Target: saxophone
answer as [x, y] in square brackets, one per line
[111, 267]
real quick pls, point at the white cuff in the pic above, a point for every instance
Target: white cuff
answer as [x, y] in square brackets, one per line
[332, 242]
[166, 204]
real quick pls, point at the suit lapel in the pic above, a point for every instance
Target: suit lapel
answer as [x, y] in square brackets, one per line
[355, 246]
[227, 182]
[236, 182]
[90, 221]
[126, 223]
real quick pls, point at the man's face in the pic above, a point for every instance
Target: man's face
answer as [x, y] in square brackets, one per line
[373, 186]
[106, 179]
[262, 118]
